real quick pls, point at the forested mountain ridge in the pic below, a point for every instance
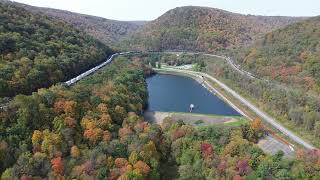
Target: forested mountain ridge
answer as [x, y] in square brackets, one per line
[202, 29]
[94, 129]
[37, 51]
[106, 30]
[289, 55]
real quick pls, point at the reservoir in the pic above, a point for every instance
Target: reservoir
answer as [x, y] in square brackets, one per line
[172, 93]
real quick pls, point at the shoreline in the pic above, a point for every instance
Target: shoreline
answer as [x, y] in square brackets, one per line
[241, 101]
[206, 85]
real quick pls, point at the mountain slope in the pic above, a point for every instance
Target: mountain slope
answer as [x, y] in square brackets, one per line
[290, 55]
[106, 30]
[36, 51]
[203, 29]
[93, 130]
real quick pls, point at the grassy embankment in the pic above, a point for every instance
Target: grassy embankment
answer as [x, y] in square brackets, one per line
[252, 115]
[300, 131]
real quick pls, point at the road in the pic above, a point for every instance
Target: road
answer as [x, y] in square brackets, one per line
[255, 109]
[227, 59]
[262, 114]
[109, 60]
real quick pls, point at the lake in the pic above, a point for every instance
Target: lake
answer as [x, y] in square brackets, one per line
[172, 93]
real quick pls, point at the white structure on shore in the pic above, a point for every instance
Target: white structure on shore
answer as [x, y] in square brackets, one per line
[191, 107]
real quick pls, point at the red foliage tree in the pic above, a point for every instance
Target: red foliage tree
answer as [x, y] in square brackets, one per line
[206, 150]
[124, 132]
[93, 135]
[57, 165]
[222, 166]
[178, 134]
[311, 156]
[243, 167]
[25, 177]
[237, 177]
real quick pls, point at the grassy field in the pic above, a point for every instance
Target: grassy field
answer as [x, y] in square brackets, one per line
[209, 119]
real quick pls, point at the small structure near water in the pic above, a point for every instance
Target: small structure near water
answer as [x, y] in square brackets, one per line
[191, 107]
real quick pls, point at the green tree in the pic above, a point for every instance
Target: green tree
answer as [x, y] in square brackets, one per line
[309, 119]
[296, 115]
[317, 128]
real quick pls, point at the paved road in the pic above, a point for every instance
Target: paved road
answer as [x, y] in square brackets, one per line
[227, 59]
[259, 112]
[236, 95]
[262, 114]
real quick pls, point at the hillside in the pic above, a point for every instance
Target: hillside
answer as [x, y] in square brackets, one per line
[36, 51]
[290, 55]
[94, 130]
[106, 30]
[202, 29]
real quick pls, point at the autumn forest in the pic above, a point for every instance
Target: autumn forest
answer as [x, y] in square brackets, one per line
[95, 129]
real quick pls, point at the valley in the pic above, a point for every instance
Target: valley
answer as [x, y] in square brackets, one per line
[197, 93]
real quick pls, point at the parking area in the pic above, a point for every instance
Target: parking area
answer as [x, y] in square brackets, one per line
[272, 145]
[269, 144]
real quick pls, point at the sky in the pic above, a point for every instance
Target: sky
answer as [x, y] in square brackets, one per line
[151, 9]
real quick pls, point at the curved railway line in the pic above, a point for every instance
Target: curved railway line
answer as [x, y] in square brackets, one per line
[260, 113]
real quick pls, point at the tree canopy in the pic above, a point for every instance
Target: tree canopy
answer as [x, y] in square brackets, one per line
[37, 51]
[202, 29]
[94, 130]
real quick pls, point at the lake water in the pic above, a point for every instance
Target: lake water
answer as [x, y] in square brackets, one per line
[171, 93]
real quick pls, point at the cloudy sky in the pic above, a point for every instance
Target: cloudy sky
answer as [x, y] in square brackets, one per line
[151, 9]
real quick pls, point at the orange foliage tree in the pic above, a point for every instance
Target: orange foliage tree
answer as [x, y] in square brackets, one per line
[142, 167]
[57, 165]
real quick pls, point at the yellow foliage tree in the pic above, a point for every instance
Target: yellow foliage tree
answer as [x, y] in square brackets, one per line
[123, 177]
[75, 152]
[133, 158]
[36, 137]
